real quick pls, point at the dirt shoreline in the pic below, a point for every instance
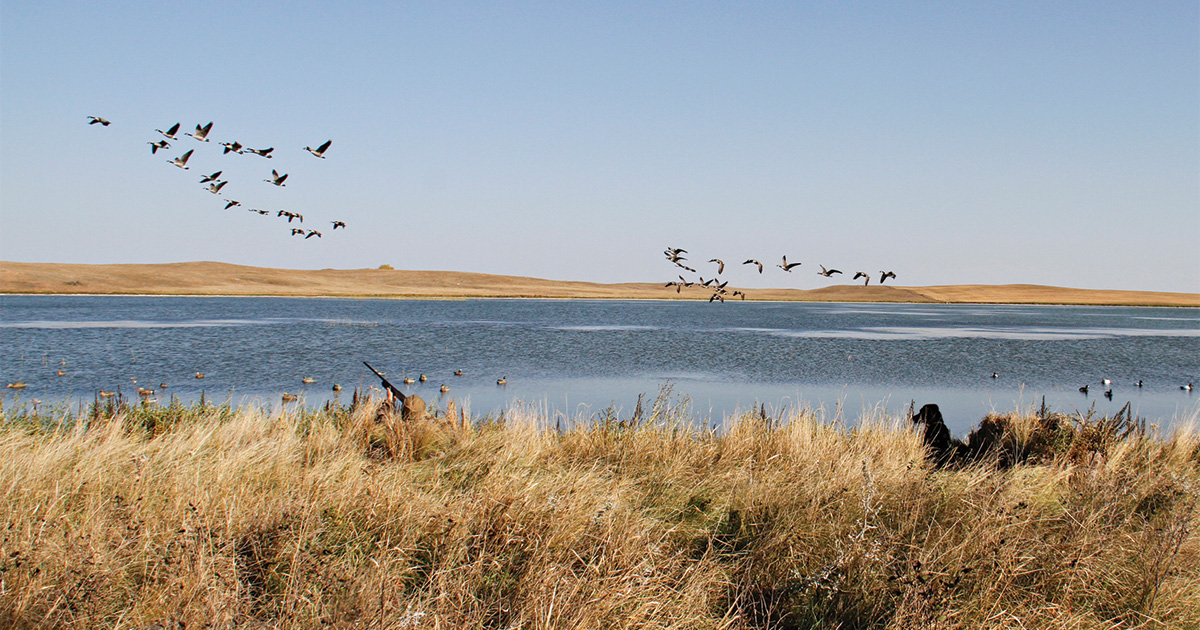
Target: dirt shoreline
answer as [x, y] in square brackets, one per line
[209, 279]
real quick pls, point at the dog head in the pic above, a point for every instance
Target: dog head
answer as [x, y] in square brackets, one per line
[928, 415]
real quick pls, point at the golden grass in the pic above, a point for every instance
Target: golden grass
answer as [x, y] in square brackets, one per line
[213, 517]
[210, 278]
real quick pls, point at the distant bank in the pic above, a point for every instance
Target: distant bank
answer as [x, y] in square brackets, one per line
[212, 278]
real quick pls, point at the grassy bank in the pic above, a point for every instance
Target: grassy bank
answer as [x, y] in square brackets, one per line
[344, 517]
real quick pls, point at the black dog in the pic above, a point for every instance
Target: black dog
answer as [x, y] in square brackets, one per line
[942, 449]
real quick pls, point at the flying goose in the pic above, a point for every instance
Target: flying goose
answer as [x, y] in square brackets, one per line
[235, 147]
[863, 274]
[155, 146]
[262, 212]
[298, 231]
[263, 152]
[96, 119]
[276, 178]
[201, 133]
[828, 273]
[885, 275]
[319, 151]
[785, 266]
[720, 265]
[737, 293]
[754, 262]
[215, 188]
[181, 161]
[170, 133]
[312, 233]
[211, 178]
[229, 203]
[339, 224]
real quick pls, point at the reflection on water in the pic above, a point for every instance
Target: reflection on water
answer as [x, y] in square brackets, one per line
[579, 356]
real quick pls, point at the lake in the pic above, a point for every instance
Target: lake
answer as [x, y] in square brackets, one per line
[576, 357]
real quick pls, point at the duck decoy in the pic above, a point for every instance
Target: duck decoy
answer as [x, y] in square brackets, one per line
[338, 224]
[96, 119]
[1186, 388]
[17, 385]
[106, 393]
[143, 392]
[211, 178]
[995, 375]
[458, 372]
[407, 380]
[155, 146]
[162, 385]
[307, 380]
[61, 372]
[337, 387]
[422, 378]
[503, 380]
[201, 133]
[229, 203]
[181, 161]
[263, 152]
[1106, 381]
[289, 397]
[720, 265]
[232, 147]
[1108, 394]
[199, 375]
[1083, 390]
[170, 133]
[828, 273]
[1139, 383]
[444, 389]
[786, 267]
[754, 262]
[276, 178]
[320, 151]
[885, 275]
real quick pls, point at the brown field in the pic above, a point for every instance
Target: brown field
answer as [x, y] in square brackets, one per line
[212, 278]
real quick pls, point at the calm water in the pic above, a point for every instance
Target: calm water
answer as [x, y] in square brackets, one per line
[577, 357]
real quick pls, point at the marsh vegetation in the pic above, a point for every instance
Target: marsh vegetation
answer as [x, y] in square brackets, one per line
[343, 516]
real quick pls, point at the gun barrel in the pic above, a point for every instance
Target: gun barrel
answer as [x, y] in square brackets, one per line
[387, 385]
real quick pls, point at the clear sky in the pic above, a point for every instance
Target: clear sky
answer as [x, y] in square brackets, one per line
[952, 142]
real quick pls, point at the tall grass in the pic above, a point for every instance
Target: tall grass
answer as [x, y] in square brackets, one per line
[205, 516]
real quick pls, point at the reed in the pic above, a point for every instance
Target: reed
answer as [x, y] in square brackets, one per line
[206, 516]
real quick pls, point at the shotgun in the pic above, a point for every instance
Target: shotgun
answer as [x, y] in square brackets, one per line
[388, 386]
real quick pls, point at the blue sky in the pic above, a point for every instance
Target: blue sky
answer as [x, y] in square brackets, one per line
[984, 142]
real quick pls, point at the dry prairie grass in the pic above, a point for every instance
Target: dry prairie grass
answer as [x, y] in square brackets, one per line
[340, 517]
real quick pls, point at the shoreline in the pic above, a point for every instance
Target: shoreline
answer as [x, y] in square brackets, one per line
[211, 279]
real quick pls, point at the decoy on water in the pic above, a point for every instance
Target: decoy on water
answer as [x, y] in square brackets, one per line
[338, 224]
[337, 387]
[1186, 388]
[199, 375]
[1106, 381]
[885, 275]
[181, 161]
[155, 146]
[201, 133]
[61, 372]
[263, 152]
[289, 397]
[458, 372]
[720, 265]
[229, 203]
[319, 151]
[863, 274]
[828, 273]
[231, 147]
[1084, 390]
[216, 187]
[96, 119]
[784, 266]
[211, 178]
[422, 378]
[408, 380]
[307, 380]
[1108, 394]
[276, 178]
[995, 375]
[445, 388]
[754, 262]
[170, 133]
[17, 385]
[1139, 383]
[503, 380]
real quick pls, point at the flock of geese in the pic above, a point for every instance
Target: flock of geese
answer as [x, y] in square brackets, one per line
[213, 182]
[676, 256]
